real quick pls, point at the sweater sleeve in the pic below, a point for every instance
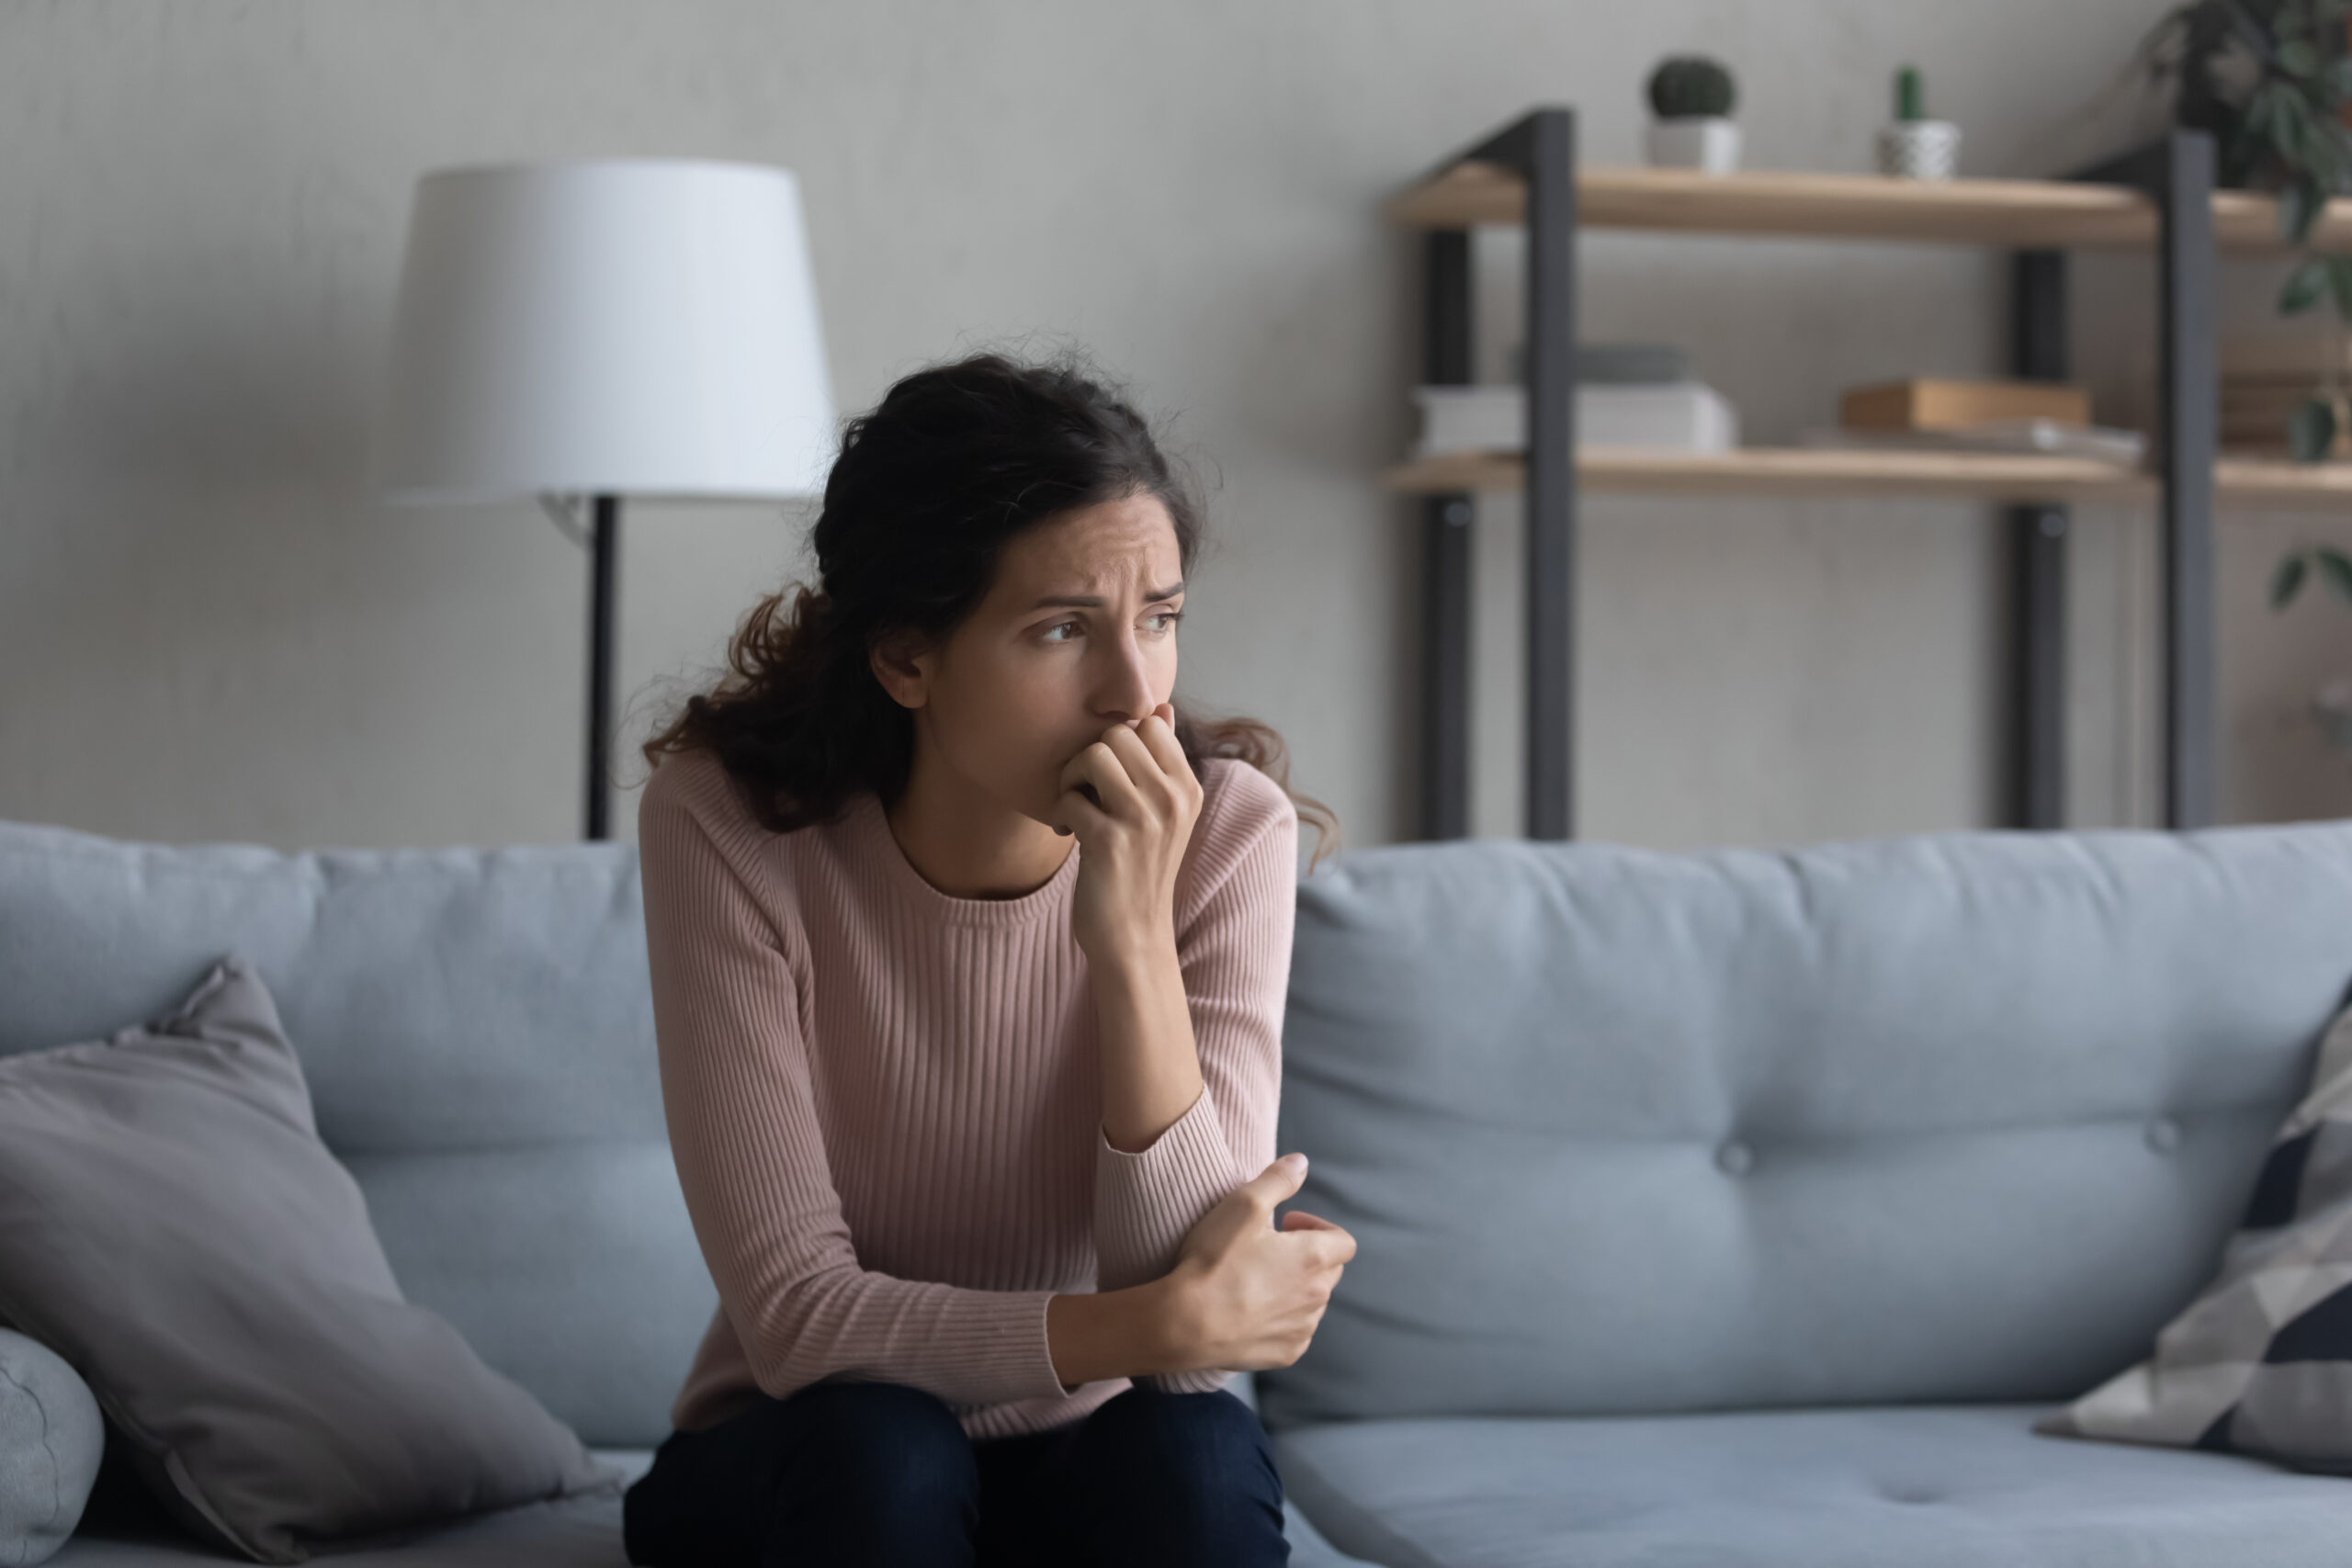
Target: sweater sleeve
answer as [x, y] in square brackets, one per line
[736, 1092]
[1235, 954]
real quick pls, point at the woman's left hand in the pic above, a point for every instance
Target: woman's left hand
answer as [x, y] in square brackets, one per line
[1132, 833]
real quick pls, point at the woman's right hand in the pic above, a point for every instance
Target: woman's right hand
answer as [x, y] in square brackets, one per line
[1254, 1294]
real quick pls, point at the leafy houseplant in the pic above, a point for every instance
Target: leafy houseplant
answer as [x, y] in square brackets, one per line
[2271, 80]
[1692, 96]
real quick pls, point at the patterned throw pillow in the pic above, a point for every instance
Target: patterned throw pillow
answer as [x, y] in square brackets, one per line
[2261, 1362]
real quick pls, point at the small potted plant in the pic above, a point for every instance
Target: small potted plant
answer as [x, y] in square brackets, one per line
[1914, 147]
[1691, 96]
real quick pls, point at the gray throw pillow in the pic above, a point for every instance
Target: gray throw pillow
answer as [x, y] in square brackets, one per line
[51, 1439]
[2261, 1362]
[170, 1224]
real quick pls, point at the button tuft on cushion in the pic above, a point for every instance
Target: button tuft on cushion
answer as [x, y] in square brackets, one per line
[2164, 1134]
[1735, 1159]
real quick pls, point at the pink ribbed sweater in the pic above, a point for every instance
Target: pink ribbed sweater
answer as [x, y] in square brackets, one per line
[884, 1101]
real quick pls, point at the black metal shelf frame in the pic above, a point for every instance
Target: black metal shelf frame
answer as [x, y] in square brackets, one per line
[2176, 172]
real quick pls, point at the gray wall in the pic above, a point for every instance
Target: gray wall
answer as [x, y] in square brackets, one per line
[209, 630]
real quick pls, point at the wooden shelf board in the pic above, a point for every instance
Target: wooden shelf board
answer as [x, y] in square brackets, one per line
[1834, 471]
[1794, 204]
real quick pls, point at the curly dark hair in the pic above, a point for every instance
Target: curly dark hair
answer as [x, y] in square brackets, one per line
[929, 486]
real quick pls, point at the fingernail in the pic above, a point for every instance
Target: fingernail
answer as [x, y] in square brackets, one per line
[1295, 1161]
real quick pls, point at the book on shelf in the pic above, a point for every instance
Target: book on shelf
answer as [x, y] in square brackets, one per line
[2124, 448]
[1680, 416]
[2303, 358]
[1932, 403]
[2264, 378]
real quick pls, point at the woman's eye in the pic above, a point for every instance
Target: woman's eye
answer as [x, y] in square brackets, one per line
[1171, 616]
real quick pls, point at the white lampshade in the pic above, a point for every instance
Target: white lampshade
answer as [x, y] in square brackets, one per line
[625, 327]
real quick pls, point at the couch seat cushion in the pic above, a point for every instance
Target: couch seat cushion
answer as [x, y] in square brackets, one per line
[569, 1532]
[565, 1533]
[1936, 1486]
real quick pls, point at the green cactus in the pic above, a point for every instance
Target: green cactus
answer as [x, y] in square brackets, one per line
[1907, 96]
[1686, 86]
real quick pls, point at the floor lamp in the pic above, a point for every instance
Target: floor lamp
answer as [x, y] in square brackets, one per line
[586, 331]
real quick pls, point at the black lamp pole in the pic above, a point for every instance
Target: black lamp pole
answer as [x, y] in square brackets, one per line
[603, 549]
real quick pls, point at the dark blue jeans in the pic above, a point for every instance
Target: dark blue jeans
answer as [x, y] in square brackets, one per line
[878, 1472]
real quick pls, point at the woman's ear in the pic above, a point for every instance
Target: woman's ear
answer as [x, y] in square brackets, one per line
[903, 672]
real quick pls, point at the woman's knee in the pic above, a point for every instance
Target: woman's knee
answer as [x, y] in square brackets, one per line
[838, 1472]
[879, 1445]
[1181, 1428]
[1190, 1468]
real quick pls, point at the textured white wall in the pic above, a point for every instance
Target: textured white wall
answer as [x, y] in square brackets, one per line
[209, 630]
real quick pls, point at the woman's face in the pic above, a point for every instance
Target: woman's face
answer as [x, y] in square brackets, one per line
[1077, 633]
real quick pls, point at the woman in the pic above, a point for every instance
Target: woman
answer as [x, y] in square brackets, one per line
[968, 955]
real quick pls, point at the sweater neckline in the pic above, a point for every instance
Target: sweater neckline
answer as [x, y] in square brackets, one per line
[871, 826]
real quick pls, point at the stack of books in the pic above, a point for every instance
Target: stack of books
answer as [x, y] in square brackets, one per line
[1631, 394]
[1931, 414]
[2264, 378]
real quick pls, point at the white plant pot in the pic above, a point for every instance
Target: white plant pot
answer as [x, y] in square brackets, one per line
[1708, 144]
[1919, 149]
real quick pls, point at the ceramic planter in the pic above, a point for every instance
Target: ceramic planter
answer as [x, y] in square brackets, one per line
[1708, 144]
[1919, 149]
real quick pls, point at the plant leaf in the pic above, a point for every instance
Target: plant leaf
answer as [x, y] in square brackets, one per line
[2303, 287]
[2310, 430]
[2297, 58]
[2296, 210]
[2260, 109]
[2287, 121]
[2337, 568]
[2322, 153]
[2287, 580]
[2339, 279]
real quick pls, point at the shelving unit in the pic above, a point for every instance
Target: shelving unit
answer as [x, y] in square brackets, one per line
[2162, 197]
[1829, 471]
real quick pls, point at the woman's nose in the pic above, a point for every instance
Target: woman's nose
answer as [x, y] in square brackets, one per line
[1127, 686]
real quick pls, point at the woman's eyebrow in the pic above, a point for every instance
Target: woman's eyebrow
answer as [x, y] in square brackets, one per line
[1095, 601]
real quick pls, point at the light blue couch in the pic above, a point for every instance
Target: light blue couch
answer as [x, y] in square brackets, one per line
[1724, 1208]
[1745, 1209]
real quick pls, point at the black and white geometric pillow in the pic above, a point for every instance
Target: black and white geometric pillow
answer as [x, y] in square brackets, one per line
[2261, 1362]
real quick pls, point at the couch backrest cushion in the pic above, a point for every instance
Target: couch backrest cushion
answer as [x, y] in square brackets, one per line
[477, 1030]
[1958, 1117]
